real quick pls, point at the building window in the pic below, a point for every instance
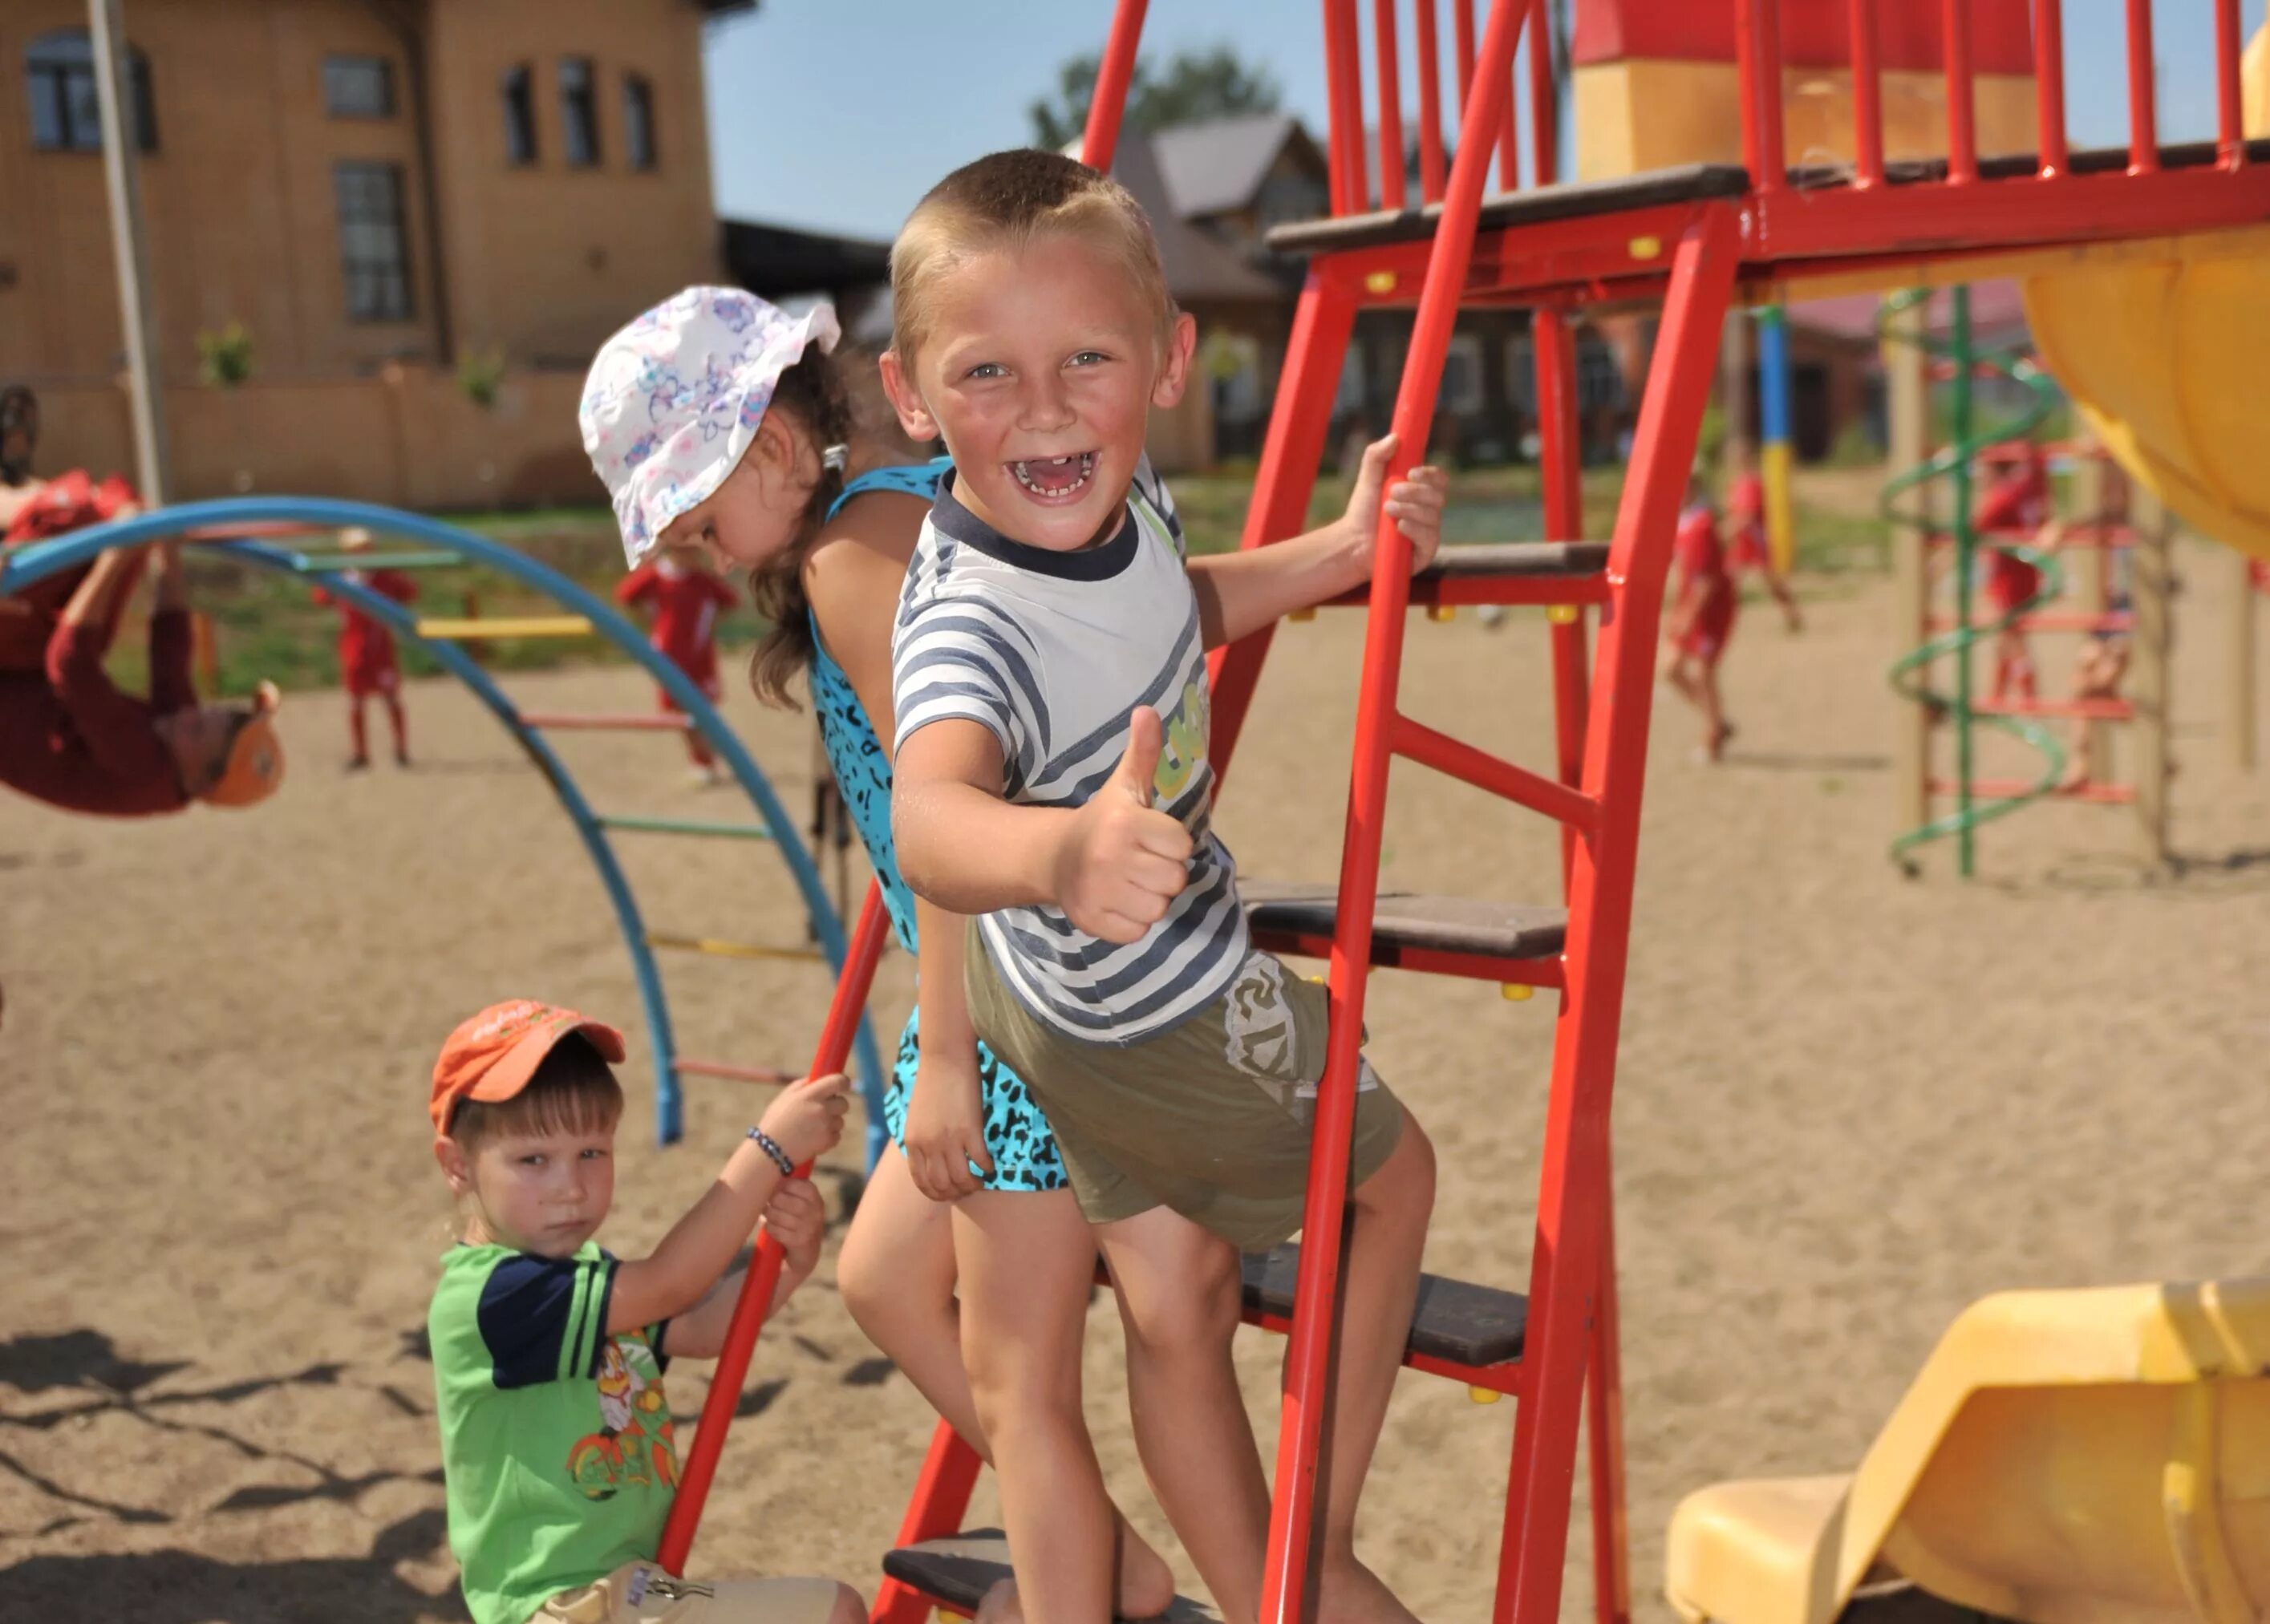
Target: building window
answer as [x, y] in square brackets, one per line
[638, 121]
[519, 117]
[1461, 394]
[1600, 379]
[1349, 397]
[373, 250]
[66, 112]
[579, 112]
[359, 86]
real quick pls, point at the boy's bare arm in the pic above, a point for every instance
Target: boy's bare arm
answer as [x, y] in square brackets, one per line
[798, 1218]
[1112, 865]
[1240, 592]
[806, 1118]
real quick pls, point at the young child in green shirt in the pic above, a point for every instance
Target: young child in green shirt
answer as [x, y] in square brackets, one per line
[549, 1351]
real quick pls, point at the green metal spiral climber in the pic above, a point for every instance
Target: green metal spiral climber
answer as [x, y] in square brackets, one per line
[1912, 673]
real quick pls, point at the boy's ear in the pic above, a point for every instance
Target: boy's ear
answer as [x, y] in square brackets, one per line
[455, 1166]
[906, 400]
[1174, 373]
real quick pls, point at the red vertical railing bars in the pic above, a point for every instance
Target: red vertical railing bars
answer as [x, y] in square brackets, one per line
[1868, 95]
[1961, 105]
[2231, 128]
[2143, 109]
[1308, 1359]
[1391, 192]
[1757, 48]
[2049, 87]
[949, 1471]
[700, 1465]
[1108, 104]
[1544, 104]
[1431, 164]
[1462, 30]
[1559, 464]
[1509, 137]
[1344, 87]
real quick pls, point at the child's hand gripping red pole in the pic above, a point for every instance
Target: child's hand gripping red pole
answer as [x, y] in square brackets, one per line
[700, 1461]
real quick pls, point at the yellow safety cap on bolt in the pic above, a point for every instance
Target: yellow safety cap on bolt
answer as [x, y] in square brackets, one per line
[1441, 612]
[1562, 614]
[1515, 992]
[1484, 1395]
[1380, 282]
[1301, 614]
[1647, 248]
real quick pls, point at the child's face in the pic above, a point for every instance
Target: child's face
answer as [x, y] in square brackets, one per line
[545, 1193]
[755, 513]
[1039, 374]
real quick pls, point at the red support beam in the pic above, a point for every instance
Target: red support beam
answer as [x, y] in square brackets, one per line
[1460, 761]
[1544, 101]
[941, 1497]
[1567, 1256]
[1307, 1360]
[1109, 105]
[700, 1462]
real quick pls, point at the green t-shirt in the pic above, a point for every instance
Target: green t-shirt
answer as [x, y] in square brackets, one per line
[555, 1437]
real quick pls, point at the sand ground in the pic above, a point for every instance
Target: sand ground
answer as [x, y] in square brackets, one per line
[1848, 1105]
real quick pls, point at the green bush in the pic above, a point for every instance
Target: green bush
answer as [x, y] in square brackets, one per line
[225, 358]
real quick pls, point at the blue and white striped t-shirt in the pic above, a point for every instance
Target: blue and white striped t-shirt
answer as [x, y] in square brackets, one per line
[1050, 651]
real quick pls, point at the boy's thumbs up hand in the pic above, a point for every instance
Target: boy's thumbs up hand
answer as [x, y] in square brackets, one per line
[1122, 861]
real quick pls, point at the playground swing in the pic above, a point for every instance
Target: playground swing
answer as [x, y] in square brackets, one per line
[273, 533]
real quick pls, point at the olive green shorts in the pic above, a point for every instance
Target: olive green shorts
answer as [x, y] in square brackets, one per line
[1211, 1118]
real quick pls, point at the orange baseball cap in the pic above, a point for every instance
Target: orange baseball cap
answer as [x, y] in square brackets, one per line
[254, 763]
[491, 1057]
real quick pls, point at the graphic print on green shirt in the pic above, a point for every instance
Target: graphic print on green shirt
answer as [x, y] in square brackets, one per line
[556, 1439]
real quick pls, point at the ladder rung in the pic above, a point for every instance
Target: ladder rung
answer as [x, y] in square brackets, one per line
[1470, 1333]
[717, 949]
[1506, 942]
[491, 630]
[1511, 572]
[2091, 794]
[339, 563]
[2079, 710]
[683, 825]
[955, 1572]
[668, 722]
[733, 1073]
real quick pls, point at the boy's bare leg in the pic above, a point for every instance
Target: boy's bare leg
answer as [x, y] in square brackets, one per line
[897, 1275]
[1024, 1306]
[1387, 1234]
[1178, 1292]
[1786, 598]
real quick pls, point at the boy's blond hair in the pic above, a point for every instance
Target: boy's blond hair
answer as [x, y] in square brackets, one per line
[574, 1091]
[1007, 200]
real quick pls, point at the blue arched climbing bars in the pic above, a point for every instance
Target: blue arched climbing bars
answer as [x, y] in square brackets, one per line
[231, 528]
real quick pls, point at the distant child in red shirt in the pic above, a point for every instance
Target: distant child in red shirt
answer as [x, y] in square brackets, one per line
[2015, 508]
[366, 663]
[1701, 618]
[686, 599]
[1746, 512]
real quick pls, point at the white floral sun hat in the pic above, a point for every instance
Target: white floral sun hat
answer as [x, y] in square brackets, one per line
[674, 399]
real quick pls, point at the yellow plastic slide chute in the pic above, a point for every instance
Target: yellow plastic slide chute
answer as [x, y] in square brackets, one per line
[2165, 348]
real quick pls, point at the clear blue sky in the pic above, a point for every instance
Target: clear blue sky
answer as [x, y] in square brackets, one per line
[836, 114]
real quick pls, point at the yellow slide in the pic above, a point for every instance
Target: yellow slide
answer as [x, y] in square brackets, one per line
[2165, 348]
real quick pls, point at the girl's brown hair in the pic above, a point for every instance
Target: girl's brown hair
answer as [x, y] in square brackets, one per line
[812, 392]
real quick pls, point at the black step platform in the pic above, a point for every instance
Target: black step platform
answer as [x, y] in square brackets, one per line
[1564, 201]
[1524, 559]
[1405, 919]
[957, 1571]
[1456, 1321]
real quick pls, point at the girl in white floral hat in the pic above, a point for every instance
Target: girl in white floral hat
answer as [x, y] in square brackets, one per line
[720, 424]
